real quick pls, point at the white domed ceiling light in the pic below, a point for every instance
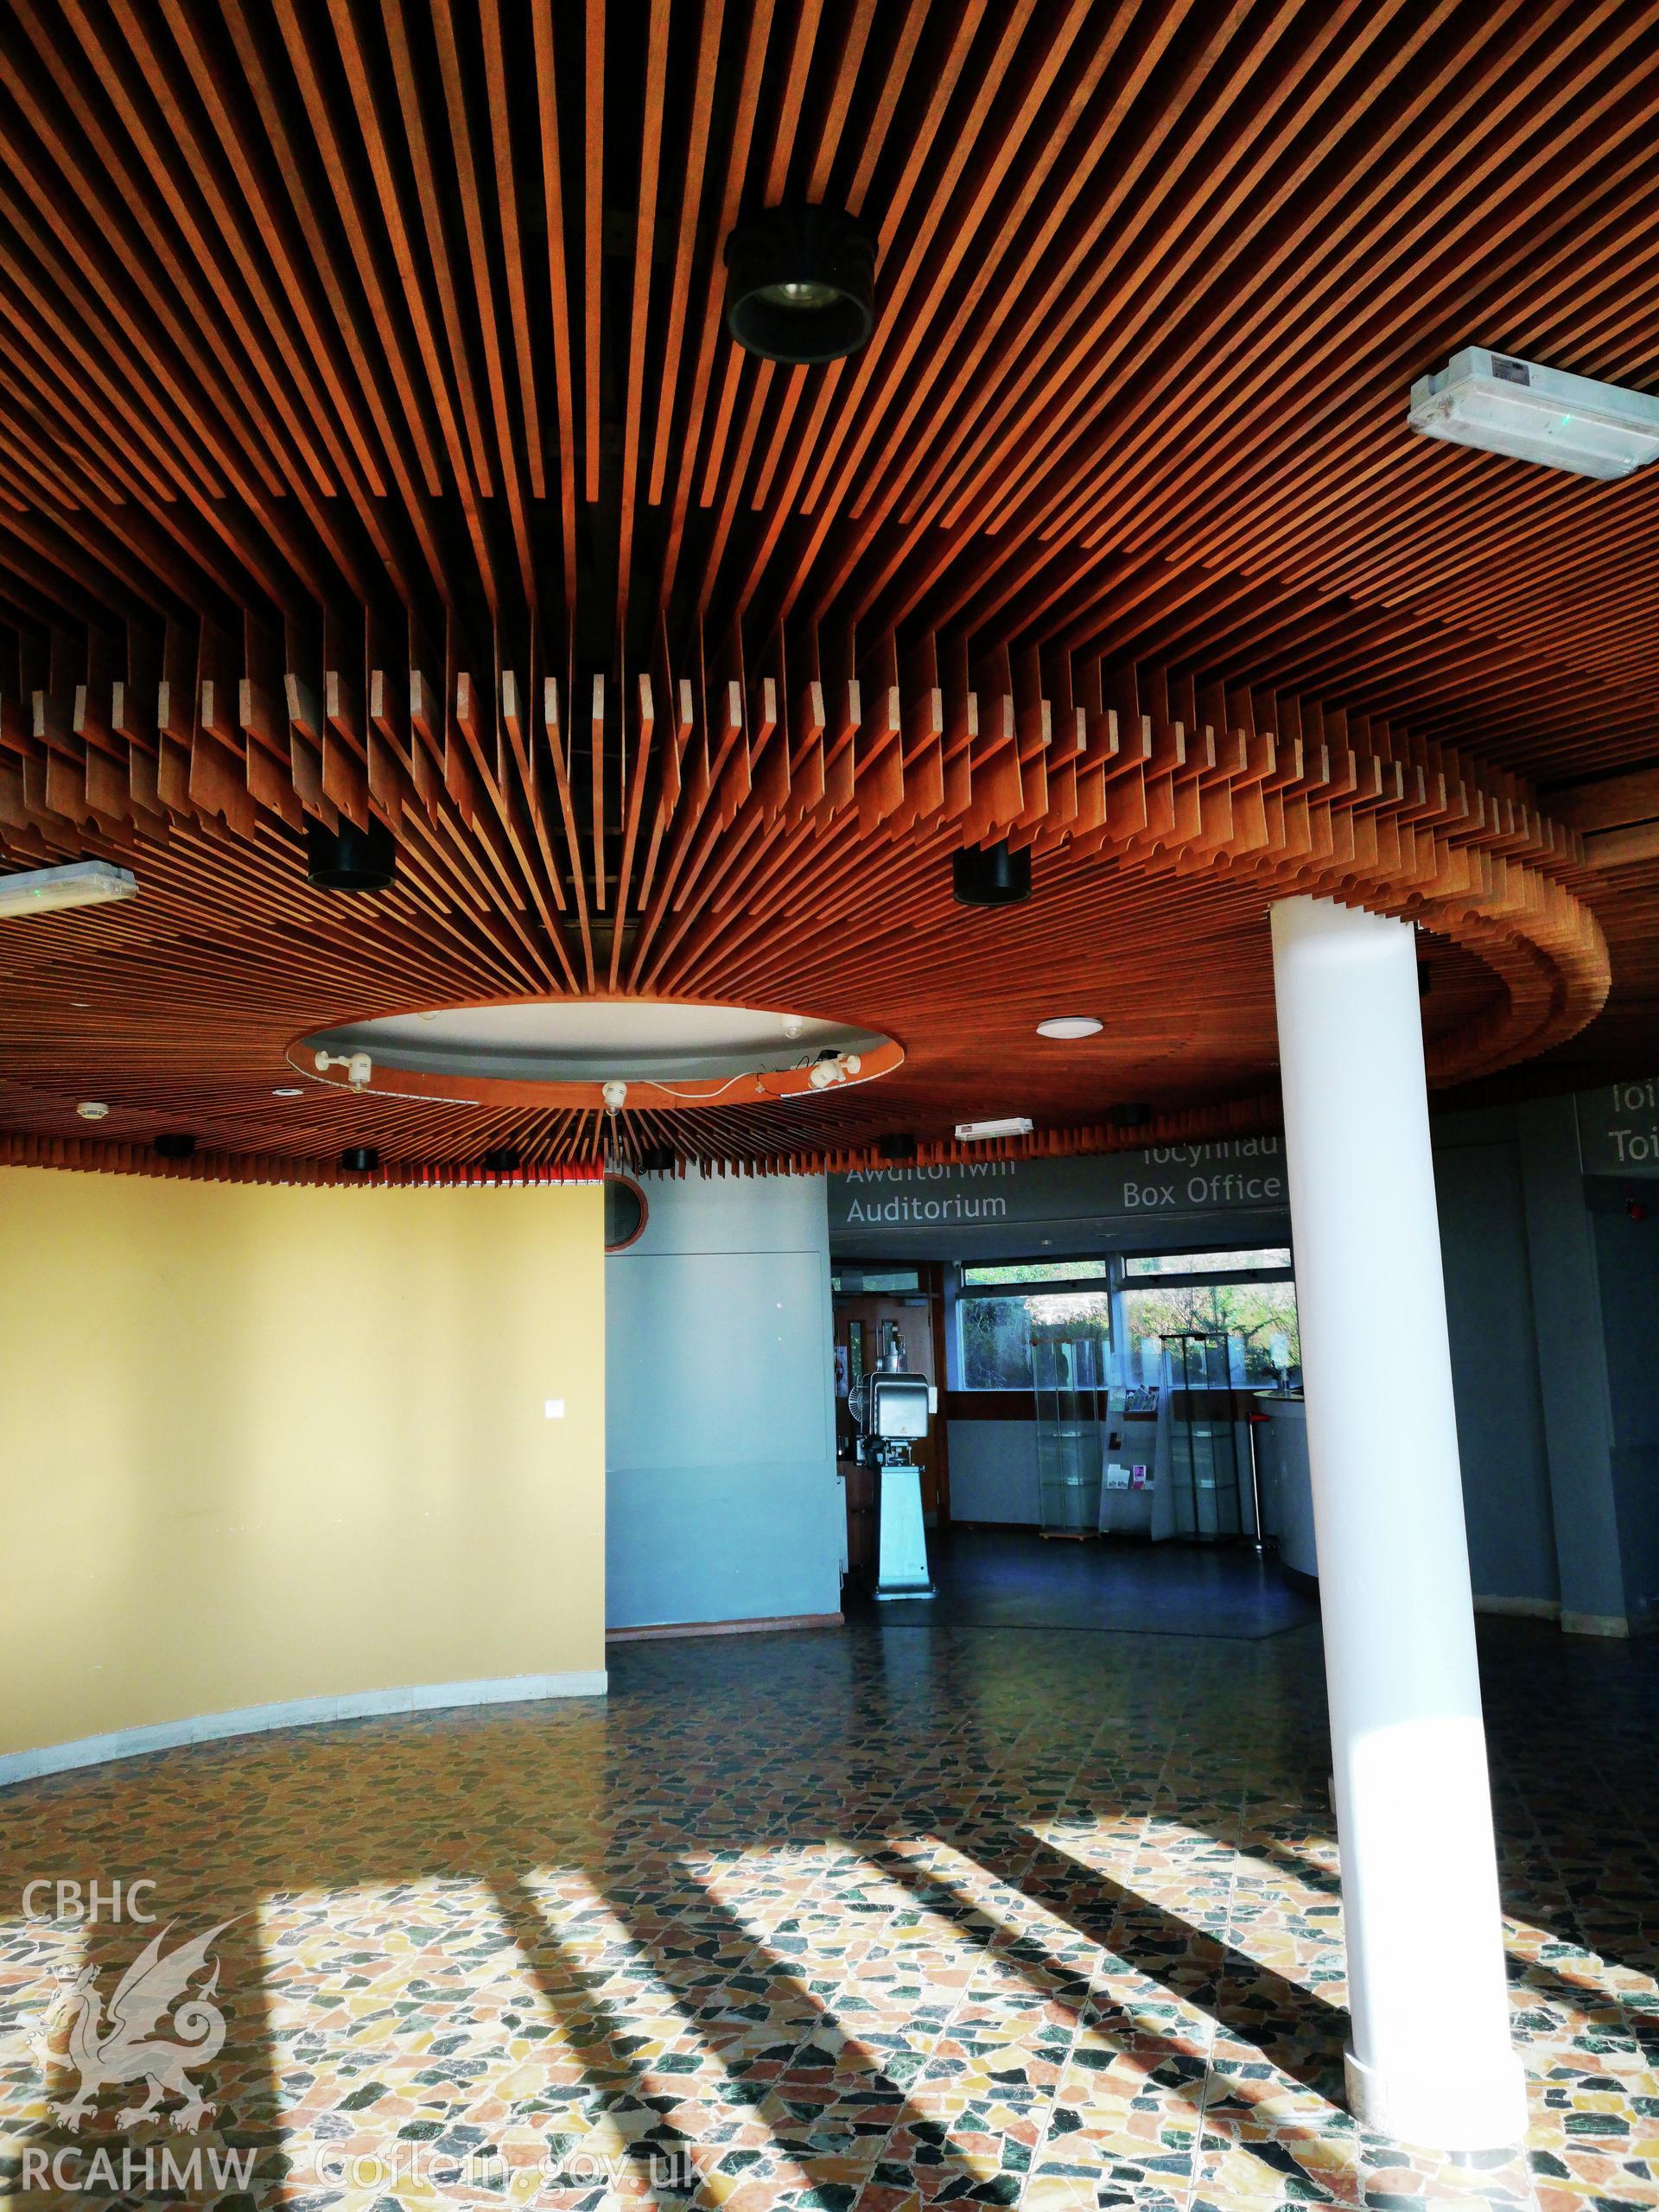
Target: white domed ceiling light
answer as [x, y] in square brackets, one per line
[603, 1054]
[92, 1110]
[1068, 1025]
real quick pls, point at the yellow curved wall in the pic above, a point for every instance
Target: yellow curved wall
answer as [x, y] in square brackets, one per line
[259, 1444]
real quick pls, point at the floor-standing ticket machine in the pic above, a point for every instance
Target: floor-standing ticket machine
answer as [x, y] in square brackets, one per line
[891, 1409]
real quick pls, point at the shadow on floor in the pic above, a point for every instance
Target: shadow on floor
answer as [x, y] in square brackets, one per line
[697, 1881]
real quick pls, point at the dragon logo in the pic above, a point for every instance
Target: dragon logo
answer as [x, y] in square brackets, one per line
[128, 2048]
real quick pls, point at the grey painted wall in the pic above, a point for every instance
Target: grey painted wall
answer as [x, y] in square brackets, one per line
[1627, 1265]
[1501, 1437]
[721, 1500]
[1571, 1364]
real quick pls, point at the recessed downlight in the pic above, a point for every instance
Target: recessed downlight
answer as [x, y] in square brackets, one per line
[990, 875]
[1066, 1026]
[800, 284]
[350, 858]
[289, 1091]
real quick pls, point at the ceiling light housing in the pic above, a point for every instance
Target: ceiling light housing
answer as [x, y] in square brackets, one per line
[1066, 1027]
[1131, 1116]
[990, 875]
[1499, 405]
[174, 1144]
[92, 1110]
[52, 890]
[501, 1160]
[800, 285]
[360, 1160]
[1012, 1125]
[349, 859]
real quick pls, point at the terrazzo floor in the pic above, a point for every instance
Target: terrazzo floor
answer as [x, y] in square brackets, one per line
[903, 1915]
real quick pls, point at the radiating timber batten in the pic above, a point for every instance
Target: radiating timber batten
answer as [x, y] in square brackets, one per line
[371, 450]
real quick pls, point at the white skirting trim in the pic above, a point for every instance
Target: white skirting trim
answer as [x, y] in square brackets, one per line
[1595, 1624]
[1526, 1609]
[295, 1712]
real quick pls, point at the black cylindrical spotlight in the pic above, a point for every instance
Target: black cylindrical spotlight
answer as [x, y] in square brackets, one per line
[800, 284]
[175, 1144]
[349, 859]
[1425, 979]
[1127, 1117]
[501, 1160]
[896, 1147]
[655, 1160]
[990, 875]
[360, 1160]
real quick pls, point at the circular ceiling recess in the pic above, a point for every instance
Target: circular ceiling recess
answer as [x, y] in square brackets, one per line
[614, 1053]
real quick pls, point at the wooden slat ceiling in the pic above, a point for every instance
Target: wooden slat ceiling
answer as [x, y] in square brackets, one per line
[371, 445]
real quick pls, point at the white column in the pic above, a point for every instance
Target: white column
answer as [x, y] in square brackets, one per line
[1430, 2059]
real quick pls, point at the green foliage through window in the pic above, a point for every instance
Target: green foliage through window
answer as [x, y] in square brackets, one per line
[1035, 1271]
[1255, 1312]
[1203, 1264]
[997, 1333]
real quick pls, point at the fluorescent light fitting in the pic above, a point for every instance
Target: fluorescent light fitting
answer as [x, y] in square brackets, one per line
[1015, 1125]
[50, 890]
[1498, 404]
[1067, 1026]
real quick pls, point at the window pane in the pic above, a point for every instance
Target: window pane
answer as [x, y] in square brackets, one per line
[854, 1282]
[997, 1333]
[1038, 1271]
[1208, 1263]
[1258, 1319]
